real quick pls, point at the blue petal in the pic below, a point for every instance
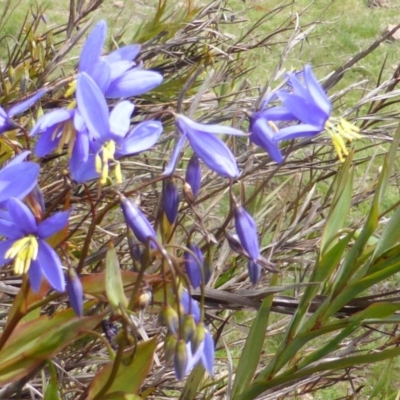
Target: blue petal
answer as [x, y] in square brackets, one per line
[193, 175]
[101, 74]
[208, 355]
[92, 106]
[24, 105]
[190, 306]
[4, 247]
[316, 90]
[133, 83]
[186, 125]
[35, 275]
[120, 118]
[246, 229]
[83, 171]
[192, 267]
[75, 292]
[214, 153]
[22, 216]
[278, 114]
[51, 119]
[126, 53]
[50, 265]
[17, 159]
[297, 131]
[9, 230]
[93, 47]
[119, 68]
[263, 136]
[304, 111]
[52, 224]
[141, 138]
[174, 156]
[46, 144]
[80, 152]
[17, 181]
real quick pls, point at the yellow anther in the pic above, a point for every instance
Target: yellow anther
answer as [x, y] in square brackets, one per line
[118, 172]
[23, 251]
[98, 164]
[273, 126]
[71, 89]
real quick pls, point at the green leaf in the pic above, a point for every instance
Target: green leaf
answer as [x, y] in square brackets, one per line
[253, 347]
[339, 209]
[52, 392]
[114, 286]
[130, 377]
[37, 340]
[192, 384]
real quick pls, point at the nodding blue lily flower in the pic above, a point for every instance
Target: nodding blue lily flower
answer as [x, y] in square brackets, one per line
[116, 74]
[136, 220]
[17, 178]
[111, 133]
[27, 247]
[304, 101]
[6, 122]
[207, 147]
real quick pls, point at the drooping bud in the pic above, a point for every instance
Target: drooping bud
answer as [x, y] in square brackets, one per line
[234, 242]
[207, 268]
[254, 271]
[181, 359]
[193, 175]
[247, 231]
[75, 291]
[170, 201]
[170, 347]
[189, 327]
[198, 337]
[137, 221]
[171, 318]
[194, 265]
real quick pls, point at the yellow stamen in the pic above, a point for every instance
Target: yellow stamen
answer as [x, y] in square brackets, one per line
[24, 251]
[107, 154]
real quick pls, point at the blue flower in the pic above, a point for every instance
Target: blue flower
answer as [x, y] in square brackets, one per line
[207, 147]
[111, 133]
[304, 101]
[27, 247]
[17, 178]
[115, 74]
[6, 122]
[170, 201]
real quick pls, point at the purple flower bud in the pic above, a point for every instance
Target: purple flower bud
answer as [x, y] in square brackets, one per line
[247, 231]
[75, 292]
[193, 175]
[137, 221]
[170, 201]
[254, 271]
[192, 266]
[181, 359]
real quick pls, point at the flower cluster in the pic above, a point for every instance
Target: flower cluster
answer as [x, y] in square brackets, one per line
[304, 113]
[189, 341]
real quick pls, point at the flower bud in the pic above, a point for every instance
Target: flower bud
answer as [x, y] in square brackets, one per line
[254, 271]
[190, 306]
[170, 347]
[75, 291]
[198, 337]
[193, 175]
[171, 319]
[247, 231]
[181, 359]
[192, 266]
[137, 221]
[189, 327]
[170, 201]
